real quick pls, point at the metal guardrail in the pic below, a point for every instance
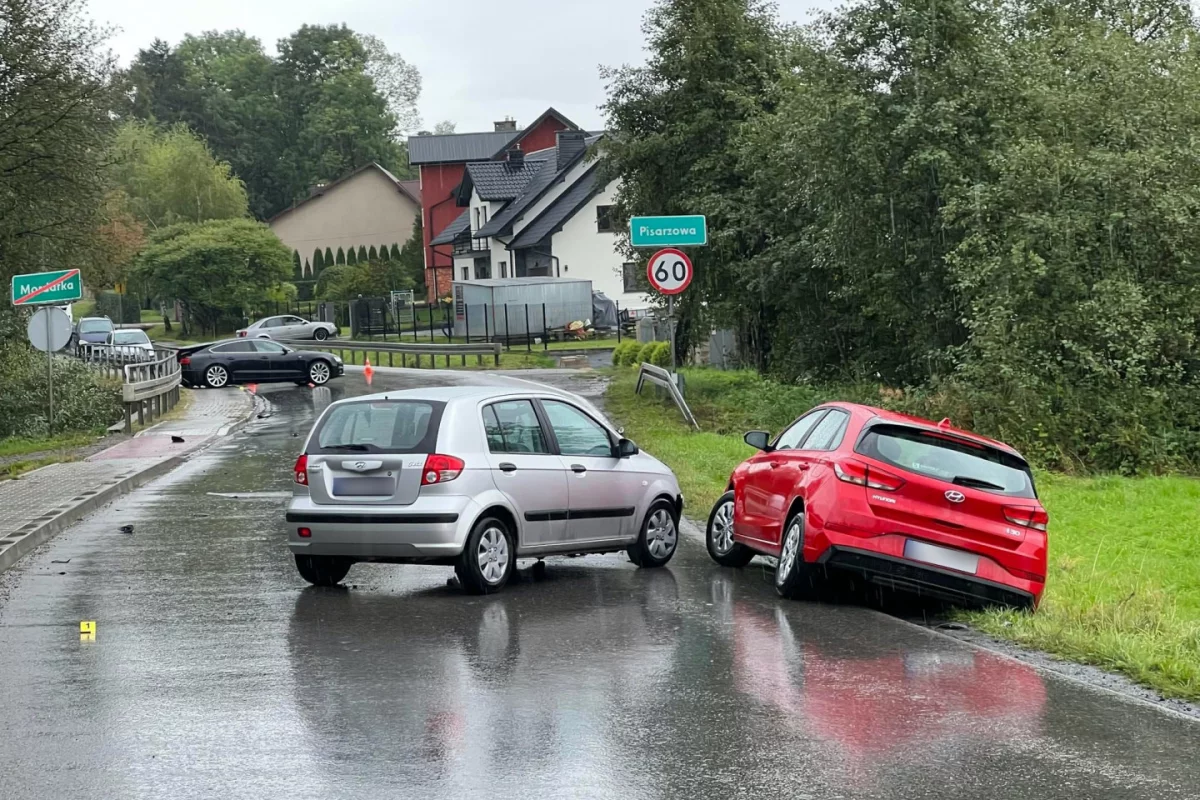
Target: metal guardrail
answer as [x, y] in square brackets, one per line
[664, 378]
[108, 362]
[402, 349]
[152, 387]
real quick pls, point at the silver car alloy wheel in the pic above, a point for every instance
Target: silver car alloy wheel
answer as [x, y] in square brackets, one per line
[790, 547]
[319, 372]
[660, 534]
[493, 555]
[216, 376]
[722, 526]
[320, 334]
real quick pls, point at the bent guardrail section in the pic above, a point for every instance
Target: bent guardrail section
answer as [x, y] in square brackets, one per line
[661, 377]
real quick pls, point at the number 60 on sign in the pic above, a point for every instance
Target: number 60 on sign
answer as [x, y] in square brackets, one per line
[670, 271]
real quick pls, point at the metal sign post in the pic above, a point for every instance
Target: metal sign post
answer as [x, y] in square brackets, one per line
[49, 330]
[670, 272]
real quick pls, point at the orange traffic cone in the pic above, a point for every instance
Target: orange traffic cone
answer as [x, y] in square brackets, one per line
[368, 370]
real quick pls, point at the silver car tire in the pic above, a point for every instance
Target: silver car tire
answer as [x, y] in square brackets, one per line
[658, 538]
[319, 372]
[488, 558]
[216, 376]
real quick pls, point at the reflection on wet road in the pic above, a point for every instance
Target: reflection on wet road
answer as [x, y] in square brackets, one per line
[217, 673]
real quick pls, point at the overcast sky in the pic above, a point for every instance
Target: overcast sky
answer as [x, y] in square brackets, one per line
[481, 61]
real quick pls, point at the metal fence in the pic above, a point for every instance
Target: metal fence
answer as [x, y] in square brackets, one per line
[524, 327]
[404, 354]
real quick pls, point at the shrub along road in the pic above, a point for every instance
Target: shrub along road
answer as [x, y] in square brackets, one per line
[1123, 591]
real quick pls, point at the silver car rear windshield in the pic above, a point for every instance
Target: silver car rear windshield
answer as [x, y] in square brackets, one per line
[949, 459]
[379, 426]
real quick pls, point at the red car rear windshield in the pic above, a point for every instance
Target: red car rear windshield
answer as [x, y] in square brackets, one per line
[380, 426]
[948, 459]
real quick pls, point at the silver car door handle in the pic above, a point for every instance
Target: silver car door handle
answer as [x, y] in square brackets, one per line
[507, 467]
[578, 468]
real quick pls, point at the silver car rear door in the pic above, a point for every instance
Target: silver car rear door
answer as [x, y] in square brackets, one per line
[526, 471]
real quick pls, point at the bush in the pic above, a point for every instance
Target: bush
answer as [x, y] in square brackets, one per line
[625, 352]
[82, 400]
[120, 309]
[643, 354]
[660, 354]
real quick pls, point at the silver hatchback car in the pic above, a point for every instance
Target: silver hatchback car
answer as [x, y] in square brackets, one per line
[474, 478]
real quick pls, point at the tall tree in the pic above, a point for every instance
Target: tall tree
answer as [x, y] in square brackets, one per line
[169, 176]
[54, 123]
[330, 102]
[712, 65]
[216, 268]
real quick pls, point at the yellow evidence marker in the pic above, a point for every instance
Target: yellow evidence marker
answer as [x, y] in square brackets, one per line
[87, 631]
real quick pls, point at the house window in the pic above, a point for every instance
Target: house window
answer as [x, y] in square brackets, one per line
[484, 213]
[503, 269]
[466, 273]
[635, 279]
[483, 268]
[477, 225]
[604, 223]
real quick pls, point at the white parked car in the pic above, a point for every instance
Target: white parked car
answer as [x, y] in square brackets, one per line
[131, 344]
[288, 327]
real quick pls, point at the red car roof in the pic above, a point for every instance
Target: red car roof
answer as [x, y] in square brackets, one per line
[909, 419]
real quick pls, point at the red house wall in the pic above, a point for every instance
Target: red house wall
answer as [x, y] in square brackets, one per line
[543, 135]
[438, 182]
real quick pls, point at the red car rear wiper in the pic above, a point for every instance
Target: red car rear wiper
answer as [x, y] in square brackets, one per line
[976, 483]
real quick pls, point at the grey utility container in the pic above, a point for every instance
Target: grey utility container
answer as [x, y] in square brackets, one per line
[498, 307]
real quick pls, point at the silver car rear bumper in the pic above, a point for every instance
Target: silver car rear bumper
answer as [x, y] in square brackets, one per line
[432, 527]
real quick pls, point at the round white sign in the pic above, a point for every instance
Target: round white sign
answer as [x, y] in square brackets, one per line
[670, 271]
[49, 329]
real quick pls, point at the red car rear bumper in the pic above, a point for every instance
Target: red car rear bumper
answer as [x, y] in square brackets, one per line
[841, 544]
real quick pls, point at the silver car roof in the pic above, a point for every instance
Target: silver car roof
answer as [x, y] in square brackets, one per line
[450, 394]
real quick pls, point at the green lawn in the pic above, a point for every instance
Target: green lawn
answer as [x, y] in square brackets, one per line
[1123, 591]
[20, 447]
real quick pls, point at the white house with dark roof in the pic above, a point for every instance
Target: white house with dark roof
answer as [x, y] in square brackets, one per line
[543, 214]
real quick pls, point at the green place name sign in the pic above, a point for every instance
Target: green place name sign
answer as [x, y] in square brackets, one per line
[683, 231]
[62, 286]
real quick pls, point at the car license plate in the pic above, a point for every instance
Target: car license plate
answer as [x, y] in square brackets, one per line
[941, 556]
[364, 487]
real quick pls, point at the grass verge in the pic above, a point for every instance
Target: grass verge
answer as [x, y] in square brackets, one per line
[15, 469]
[1123, 591]
[20, 447]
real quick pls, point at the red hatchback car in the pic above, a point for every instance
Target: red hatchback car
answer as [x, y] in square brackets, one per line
[901, 501]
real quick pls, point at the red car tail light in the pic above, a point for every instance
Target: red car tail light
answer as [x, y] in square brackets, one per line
[304, 533]
[243, 334]
[301, 470]
[441, 469]
[184, 361]
[1027, 517]
[859, 473]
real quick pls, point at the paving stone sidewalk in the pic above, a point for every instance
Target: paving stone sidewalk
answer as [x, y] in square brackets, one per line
[41, 503]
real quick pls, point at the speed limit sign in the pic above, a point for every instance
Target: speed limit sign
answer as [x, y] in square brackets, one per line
[670, 271]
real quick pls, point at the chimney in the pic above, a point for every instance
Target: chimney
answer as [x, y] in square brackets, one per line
[506, 125]
[569, 145]
[516, 156]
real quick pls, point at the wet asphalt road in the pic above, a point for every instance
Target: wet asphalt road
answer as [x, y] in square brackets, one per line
[217, 674]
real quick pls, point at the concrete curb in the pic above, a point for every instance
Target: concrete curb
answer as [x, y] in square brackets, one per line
[32, 538]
